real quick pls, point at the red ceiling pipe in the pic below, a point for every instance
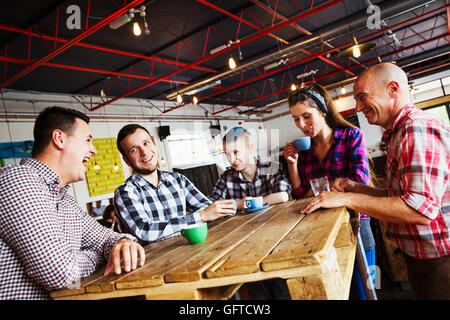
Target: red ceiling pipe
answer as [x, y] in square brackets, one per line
[232, 47]
[61, 66]
[336, 72]
[239, 19]
[382, 31]
[94, 47]
[258, 28]
[72, 42]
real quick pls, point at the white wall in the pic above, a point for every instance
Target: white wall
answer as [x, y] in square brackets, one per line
[20, 105]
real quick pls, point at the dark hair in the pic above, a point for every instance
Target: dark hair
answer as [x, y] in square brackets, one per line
[125, 132]
[333, 118]
[50, 119]
[108, 212]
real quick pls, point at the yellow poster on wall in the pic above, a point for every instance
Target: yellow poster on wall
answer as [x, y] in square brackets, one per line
[104, 171]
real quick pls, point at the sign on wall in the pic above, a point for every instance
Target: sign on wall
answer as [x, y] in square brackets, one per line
[104, 170]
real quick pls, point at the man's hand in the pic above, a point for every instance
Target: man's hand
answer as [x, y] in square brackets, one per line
[344, 185]
[218, 209]
[128, 251]
[325, 200]
[241, 203]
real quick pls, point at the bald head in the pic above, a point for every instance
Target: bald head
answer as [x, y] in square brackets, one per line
[381, 92]
[383, 73]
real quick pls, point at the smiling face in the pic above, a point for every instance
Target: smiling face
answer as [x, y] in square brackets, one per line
[308, 118]
[78, 149]
[372, 99]
[141, 152]
[239, 152]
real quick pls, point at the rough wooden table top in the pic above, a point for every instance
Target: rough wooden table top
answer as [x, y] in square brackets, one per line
[277, 242]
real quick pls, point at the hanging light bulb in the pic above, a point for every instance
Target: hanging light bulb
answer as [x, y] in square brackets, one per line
[293, 87]
[136, 29]
[195, 100]
[179, 98]
[232, 63]
[343, 91]
[356, 51]
[102, 93]
[302, 85]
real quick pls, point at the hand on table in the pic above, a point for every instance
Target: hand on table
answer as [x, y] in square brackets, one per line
[219, 208]
[325, 200]
[343, 185]
[128, 251]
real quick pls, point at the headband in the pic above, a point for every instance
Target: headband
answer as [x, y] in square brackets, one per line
[316, 97]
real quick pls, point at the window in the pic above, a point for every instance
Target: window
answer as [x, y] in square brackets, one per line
[442, 112]
[191, 147]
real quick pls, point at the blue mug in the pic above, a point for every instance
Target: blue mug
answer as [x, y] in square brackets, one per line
[302, 144]
[254, 203]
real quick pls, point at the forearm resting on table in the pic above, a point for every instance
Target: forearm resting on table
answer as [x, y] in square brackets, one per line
[277, 197]
[390, 209]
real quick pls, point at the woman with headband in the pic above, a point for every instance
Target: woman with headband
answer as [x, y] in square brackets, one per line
[337, 150]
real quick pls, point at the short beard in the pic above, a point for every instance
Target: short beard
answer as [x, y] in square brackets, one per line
[144, 172]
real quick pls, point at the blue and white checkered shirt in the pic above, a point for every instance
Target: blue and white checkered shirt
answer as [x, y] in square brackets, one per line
[269, 178]
[155, 213]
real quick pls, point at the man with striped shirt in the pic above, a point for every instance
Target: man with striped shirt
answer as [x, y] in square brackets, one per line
[152, 202]
[416, 202]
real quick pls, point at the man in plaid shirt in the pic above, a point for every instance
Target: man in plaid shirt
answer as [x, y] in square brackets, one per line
[152, 202]
[249, 177]
[246, 178]
[47, 241]
[416, 202]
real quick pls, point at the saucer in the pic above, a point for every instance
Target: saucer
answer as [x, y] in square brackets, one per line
[257, 209]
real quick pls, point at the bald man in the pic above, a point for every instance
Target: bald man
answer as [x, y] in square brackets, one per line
[416, 202]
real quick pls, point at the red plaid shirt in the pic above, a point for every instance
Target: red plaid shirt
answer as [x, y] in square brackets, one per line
[47, 241]
[417, 170]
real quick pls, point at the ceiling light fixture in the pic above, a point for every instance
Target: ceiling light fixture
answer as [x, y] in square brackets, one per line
[136, 29]
[232, 63]
[195, 100]
[293, 87]
[179, 98]
[357, 49]
[128, 17]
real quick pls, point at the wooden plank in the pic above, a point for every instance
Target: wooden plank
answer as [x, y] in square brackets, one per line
[308, 242]
[323, 286]
[193, 268]
[247, 256]
[153, 250]
[156, 268]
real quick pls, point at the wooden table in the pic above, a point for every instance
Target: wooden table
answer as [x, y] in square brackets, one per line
[315, 253]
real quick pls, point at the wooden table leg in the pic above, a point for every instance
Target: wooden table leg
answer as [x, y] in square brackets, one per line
[325, 286]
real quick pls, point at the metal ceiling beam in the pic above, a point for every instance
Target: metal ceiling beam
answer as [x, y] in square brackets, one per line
[167, 45]
[231, 47]
[388, 9]
[95, 47]
[339, 71]
[70, 43]
[267, 74]
[110, 73]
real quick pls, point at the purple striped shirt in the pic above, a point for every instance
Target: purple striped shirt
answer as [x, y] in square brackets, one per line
[347, 158]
